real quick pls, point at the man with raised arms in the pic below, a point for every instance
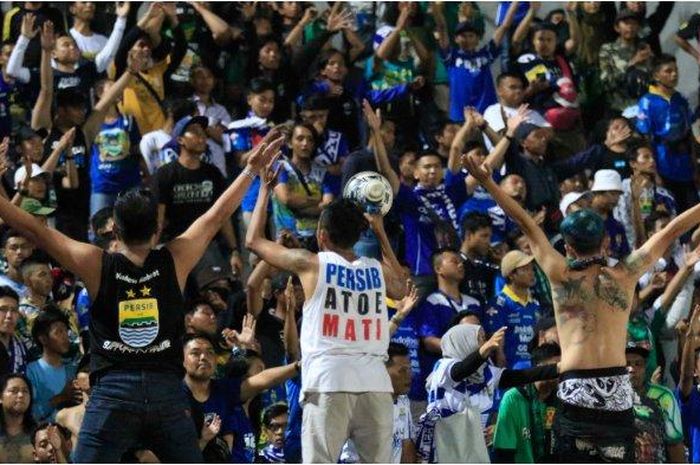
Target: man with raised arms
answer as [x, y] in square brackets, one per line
[346, 391]
[592, 302]
[137, 317]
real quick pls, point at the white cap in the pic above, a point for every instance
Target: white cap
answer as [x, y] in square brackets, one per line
[568, 199]
[21, 173]
[607, 180]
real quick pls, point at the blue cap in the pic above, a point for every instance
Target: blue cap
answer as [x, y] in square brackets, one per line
[182, 125]
[583, 227]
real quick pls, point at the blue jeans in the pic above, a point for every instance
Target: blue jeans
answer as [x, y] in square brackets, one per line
[137, 409]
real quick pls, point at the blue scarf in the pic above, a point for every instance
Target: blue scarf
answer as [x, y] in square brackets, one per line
[437, 201]
[272, 454]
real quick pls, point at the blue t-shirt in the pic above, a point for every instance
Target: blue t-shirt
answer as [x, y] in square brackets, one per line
[47, 382]
[668, 122]
[224, 400]
[413, 207]
[244, 447]
[242, 139]
[113, 168]
[407, 334]
[433, 317]
[502, 225]
[519, 316]
[471, 82]
[690, 415]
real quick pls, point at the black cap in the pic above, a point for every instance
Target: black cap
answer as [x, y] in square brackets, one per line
[523, 131]
[466, 26]
[26, 133]
[624, 14]
[213, 272]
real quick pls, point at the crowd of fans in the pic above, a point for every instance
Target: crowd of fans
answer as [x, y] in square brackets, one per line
[98, 98]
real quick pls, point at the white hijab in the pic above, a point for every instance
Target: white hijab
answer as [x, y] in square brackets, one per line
[461, 341]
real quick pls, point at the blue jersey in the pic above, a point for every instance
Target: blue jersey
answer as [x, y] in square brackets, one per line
[82, 308]
[292, 435]
[481, 201]
[244, 447]
[519, 316]
[113, 168]
[471, 82]
[407, 334]
[690, 416]
[434, 316]
[242, 138]
[520, 12]
[414, 206]
[667, 122]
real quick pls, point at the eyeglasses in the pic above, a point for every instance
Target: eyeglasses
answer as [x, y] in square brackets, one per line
[274, 426]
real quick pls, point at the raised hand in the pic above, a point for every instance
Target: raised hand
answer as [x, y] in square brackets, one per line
[122, 9]
[691, 257]
[410, 301]
[340, 20]
[481, 172]
[48, 38]
[287, 239]
[309, 15]
[66, 140]
[266, 152]
[404, 16]
[694, 326]
[290, 297]
[247, 335]
[373, 118]
[493, 343]
[476, 117]
[617, 135]
[27, 29]
[659, 280]
[517, 119]
[375, 220]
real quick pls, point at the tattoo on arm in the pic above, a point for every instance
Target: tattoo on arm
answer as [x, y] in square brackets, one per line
[636, 261]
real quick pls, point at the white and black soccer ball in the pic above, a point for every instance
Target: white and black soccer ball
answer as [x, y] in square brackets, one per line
[371, 190]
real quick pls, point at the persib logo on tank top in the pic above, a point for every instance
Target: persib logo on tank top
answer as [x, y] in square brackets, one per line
[138, 318]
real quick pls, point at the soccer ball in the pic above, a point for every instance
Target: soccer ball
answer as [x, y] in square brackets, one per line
[371, 190]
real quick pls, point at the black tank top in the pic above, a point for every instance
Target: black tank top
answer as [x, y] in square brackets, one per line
[137, 320]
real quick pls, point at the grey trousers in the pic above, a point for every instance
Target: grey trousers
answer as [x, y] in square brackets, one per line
[332, 418]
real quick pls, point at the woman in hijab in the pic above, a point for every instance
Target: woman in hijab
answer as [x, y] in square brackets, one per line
[465, 379]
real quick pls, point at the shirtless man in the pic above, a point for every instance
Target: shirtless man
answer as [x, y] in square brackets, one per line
[592, 302]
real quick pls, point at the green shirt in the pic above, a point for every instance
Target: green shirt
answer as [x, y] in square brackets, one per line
[514, 429]
[668, 404]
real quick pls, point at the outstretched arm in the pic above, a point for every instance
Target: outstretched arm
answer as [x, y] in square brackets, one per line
[551, 261]
[295, 260]
[374, 121]
[501, 30]
[84, 260]
[642, 258]
[394, 276]
[266, 379]
[41, 113]
[688, 357]
[188, 248]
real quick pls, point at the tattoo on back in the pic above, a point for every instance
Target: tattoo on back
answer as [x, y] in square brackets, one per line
[571, 300]
[610, 292]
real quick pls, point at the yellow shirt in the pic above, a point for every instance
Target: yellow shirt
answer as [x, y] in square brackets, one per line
[140, 103]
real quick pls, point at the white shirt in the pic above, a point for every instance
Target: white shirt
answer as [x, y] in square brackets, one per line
[345, 330]
[494, 117]
[151, 145]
